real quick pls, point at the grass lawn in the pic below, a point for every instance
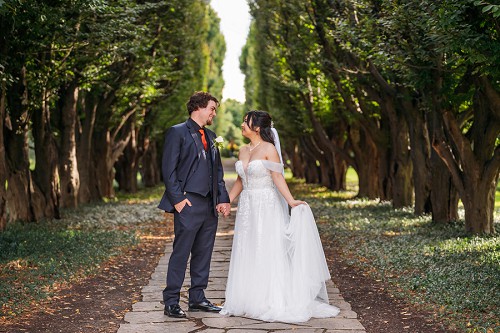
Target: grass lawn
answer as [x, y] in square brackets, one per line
[37, 259]
[434, 266]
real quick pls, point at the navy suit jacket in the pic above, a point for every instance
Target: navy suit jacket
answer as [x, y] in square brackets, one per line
[182, 153]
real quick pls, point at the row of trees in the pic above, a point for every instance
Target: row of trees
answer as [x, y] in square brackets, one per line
[87, 91]
[407, 93]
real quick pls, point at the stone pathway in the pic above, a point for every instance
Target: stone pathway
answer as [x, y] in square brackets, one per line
[147, 316]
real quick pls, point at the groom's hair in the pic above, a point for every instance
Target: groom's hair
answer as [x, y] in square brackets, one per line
[263, 120]
[199, 100]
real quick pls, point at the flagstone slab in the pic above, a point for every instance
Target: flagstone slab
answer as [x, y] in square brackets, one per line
[148, 306]
[147, 317]
[179, 327]
[229, 322]
[271, 326]
[348, 314]
[345, 331]
[302, 330]
[342, 305]
[336, 323]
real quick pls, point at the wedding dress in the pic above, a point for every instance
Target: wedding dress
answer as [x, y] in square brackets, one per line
[278, 269]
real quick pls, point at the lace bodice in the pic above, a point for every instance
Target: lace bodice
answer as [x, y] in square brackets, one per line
[257, 175]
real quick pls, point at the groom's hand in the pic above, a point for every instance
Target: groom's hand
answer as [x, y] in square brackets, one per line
[180, 206]
[224, 208]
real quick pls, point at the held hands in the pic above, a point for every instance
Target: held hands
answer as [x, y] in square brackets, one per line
[224, 208]
[180, 206]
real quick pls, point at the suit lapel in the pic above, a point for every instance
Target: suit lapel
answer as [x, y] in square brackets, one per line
[211, 146]
[196, 138]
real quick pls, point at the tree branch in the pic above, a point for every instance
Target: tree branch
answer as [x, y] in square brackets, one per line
[492, 95]
[390, 90]
[462, 143]
[444, 152]
[492, 167]
[122, 122]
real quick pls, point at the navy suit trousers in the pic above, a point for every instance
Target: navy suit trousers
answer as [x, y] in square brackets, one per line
[194, 228]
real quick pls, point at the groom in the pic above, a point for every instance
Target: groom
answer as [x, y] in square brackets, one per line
[195, 192]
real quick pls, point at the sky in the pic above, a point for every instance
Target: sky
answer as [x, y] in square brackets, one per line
[234, 25]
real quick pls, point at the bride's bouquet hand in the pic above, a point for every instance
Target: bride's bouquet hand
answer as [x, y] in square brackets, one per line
[295, 203]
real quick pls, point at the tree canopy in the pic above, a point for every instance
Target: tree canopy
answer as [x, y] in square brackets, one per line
[88, 89]
[407, 94]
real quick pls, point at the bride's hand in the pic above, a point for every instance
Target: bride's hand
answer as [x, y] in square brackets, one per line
[295, 203]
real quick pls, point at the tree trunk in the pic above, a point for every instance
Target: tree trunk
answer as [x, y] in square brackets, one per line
[479, 206]
[102, 158]
[46, 156]
[20, 188]
[385, 181]
[84, 146]
[68, 165]
[444, 199]
[340, 170]
[149, 167]
[312, 172]
[127, 165]
[296, 161]
[474, 159]
[325, 163]
[367, 163]
[147, 159]
[327, 153]
[481, 159]
[3, 167]
[400, 167]
[420, 153]
[106, 152]
[443, 195]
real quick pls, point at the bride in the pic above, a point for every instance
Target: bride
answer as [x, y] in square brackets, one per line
[278, 268]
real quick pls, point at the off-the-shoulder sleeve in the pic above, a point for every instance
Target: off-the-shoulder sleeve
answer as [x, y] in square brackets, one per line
[273, 166]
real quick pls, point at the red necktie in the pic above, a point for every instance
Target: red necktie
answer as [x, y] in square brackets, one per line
[203, 140]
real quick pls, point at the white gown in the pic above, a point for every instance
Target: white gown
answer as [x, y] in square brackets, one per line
[278, 268]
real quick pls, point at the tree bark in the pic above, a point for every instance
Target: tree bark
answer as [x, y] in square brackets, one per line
[3, 166]
[444, 196]
[420, 153]
[150, 169]
[328, 153]
[297, 163]
[400, 170]
[46, 156]
[104, 172]
[148, 154]
[84, 148]
[68, 164]
[367, 163]
[106, 151]
[476, 172]
[479, 207]
[127, 165]
[312, 173]
[20, 194]
[341, 164]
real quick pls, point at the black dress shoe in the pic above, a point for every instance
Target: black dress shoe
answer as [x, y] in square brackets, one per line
[174, 311]
[204, 306]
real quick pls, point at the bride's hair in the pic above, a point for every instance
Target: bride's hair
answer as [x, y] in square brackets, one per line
[263, 120]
